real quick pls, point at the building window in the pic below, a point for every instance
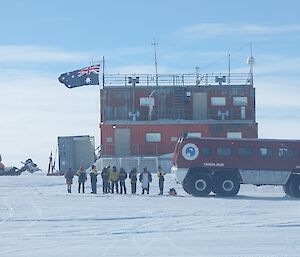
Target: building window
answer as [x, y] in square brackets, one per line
[205, 151]
[240, 101]
[153, 137]
[194, 134]
[244, 152]
[224, 151]
[234, 134]
[285, 153]
[174, 139]
[265, 152]
[218, 101]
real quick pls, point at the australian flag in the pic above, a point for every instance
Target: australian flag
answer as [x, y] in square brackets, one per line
[83, 77]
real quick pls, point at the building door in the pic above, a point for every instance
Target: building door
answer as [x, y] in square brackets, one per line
[122, 142]
[199, 106]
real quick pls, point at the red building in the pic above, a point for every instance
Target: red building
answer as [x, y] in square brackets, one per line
[143, 115]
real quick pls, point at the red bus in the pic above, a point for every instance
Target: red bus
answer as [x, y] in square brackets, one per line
[221, 165]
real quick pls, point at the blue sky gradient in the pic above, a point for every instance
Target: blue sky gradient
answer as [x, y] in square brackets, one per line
[42, 39]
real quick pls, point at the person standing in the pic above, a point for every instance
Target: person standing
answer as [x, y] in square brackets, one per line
[82, 177]
[133, 180]
[93, 175]
[161, 179]
[145, 178]
[105, 180]
[114, 178]
[122, 178]
[69, 175]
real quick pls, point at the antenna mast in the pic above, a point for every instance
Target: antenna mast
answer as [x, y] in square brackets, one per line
[155, 44]
[251, 61]
[229, 68]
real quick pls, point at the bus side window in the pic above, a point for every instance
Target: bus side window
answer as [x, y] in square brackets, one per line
[223, 151]
[265, 151]
[244, 151]
[205, 151]
[285, 152]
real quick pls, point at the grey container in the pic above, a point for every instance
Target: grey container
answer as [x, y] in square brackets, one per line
[74, 151]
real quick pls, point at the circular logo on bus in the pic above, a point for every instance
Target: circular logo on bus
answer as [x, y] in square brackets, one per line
[190, 152]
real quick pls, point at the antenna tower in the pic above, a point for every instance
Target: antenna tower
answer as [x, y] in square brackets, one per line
[251, 62]
[155, 44]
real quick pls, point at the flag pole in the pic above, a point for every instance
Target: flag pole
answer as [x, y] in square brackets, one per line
[100, 116]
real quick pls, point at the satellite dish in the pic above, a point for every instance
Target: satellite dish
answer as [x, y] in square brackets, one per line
[250, 60]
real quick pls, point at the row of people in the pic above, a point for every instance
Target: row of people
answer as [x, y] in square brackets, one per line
[113, 180]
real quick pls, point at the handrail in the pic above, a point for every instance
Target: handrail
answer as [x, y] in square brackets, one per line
[211, 79]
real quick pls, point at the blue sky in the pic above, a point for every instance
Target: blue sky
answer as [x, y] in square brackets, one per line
[42, 39]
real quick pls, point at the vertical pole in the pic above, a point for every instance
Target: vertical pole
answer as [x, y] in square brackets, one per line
[155, 44]
[251, 71]
[100, 114]
[103, 78]
[197, 76]
[133, 100]
[250, 61]
[229, 69]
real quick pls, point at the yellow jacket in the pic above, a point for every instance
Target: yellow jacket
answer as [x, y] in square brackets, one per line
[114, 176]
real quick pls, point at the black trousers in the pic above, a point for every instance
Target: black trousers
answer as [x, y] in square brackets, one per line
[79, 185]
[69, 188]
[122, 187]
[113, 185]
[105, 187]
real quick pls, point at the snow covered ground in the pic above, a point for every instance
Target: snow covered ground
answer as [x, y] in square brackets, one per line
[38, 218]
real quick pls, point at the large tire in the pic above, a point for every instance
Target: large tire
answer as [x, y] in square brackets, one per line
[198, 184]
[226, 185]
[186, 186]
[295, 187]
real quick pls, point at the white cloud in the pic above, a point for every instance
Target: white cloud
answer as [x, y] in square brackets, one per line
[36, 109]
[205, 30]
[22, 53]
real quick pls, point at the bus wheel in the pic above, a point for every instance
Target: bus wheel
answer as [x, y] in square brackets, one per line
[295, 187]
[227, 185]
[187, 187]
[200, 184]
